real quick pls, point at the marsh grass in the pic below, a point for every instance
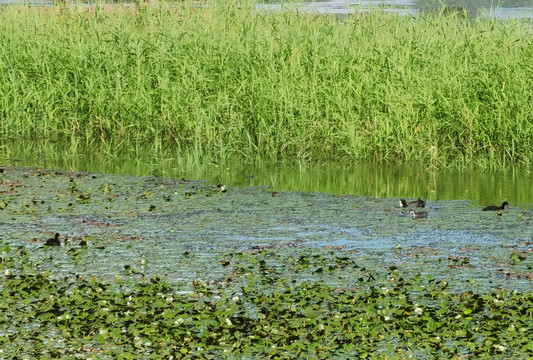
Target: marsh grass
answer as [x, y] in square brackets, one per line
[438, 89]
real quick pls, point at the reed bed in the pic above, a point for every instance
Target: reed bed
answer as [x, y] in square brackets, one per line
[224, 80]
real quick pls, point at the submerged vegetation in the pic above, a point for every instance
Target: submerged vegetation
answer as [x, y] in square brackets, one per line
[260, 308]
[222, 81]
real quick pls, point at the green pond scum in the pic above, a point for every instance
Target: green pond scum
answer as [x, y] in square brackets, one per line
[154, 268]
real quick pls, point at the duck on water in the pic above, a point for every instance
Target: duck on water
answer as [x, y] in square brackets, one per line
[504, 206]
[53, 241]
[418, 215]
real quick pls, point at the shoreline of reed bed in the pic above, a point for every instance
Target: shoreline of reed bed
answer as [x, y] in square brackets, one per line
[436, 89]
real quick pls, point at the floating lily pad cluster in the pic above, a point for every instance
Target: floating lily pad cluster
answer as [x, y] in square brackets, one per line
[260, 308]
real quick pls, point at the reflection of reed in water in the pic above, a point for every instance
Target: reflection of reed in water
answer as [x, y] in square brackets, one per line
[62, 3]
[459, 11]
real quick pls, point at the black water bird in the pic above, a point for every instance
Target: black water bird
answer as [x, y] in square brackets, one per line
[418, 215]
[504, 206]
[54, 241]
[412, 204]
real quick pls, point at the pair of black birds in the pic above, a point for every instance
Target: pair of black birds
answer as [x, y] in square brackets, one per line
[413, 205]
[422, 214]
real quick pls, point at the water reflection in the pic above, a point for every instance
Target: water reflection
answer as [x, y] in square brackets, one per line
[345, 7]
[508, 9]
[383, 181]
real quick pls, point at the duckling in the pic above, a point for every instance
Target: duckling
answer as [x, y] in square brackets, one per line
[54, 241]
[504, 206]
[418, 215]
[412, 204]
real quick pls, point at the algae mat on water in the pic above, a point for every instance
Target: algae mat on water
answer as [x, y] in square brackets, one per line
[192, 270]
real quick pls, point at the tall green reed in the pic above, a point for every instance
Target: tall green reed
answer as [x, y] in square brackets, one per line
[229, 81]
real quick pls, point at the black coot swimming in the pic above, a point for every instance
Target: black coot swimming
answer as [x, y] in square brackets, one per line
[53, 241]
[412, 204]
[504, 206]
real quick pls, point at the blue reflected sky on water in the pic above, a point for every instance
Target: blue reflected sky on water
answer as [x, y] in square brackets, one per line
[509, 9]
[496, 9]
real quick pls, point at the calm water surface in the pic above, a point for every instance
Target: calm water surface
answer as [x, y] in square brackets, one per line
[381, 181]
[498, 9]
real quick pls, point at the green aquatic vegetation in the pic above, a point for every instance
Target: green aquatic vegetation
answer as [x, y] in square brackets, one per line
[243, 274]
[434, 89]
[254, 313]
[518, 257]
